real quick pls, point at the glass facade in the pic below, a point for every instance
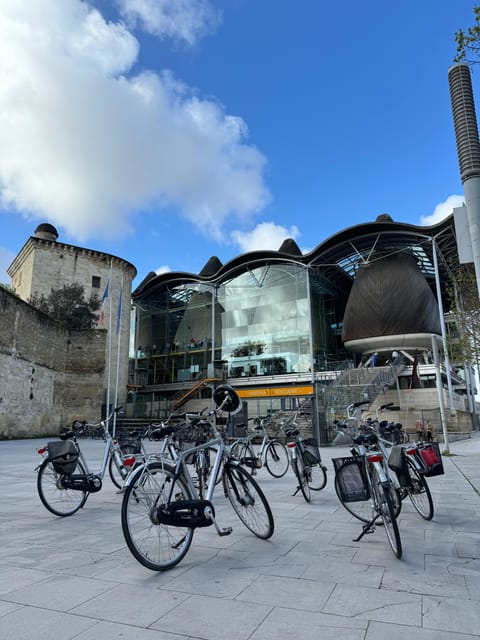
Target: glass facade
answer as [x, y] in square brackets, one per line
[265, 324]
[272, 320]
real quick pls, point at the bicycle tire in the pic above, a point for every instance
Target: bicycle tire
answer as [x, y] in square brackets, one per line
[386, 511]
[245, 455]
[248, 500]
[116, 475]
[317, 477]
[362, 509]
[59, 501]
[276, 459]
[302, 477]
[156, 546]
[419, 492]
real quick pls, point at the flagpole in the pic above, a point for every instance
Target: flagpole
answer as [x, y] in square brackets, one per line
[107, 410]
[118, 331]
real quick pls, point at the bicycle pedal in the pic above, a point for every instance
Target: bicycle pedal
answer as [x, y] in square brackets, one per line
[226, 531]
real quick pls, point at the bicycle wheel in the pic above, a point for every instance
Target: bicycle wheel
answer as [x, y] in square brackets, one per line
[276, 459]
[302, 477]
[317, 476]
[157, 546]
[385, 509]
[362, 509]
[59, 501]
[118, 475]
[245, 454]
[248, 500]
[419, 492]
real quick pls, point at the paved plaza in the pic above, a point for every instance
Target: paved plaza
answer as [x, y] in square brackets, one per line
[74, 578]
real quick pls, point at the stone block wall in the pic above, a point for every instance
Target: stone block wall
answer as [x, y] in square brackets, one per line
[48, 376]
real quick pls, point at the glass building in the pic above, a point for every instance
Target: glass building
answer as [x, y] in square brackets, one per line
[271, 323]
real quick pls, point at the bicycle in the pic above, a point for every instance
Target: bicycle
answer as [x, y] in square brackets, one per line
[272, 453]
[362, 478]
[406, 462]
[64, 480]
[306, 461]
[162, 506]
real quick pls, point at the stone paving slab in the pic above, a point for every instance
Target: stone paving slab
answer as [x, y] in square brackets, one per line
[75, 578]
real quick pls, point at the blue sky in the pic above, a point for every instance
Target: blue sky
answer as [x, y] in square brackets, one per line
[168, 131]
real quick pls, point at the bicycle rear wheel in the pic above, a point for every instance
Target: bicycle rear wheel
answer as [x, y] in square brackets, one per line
[385, 509]
[156, 546]
[245, 454]
[118, 475]
[276, 459]
[317, 475]
[419, 492]
[59, 501]
[361, 509]
[248, 500]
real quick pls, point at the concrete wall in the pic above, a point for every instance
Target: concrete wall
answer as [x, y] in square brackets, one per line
[48, 376]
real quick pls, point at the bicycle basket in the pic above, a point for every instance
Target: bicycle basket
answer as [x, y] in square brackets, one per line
[311, 452]
[63, 455]
[351, 478]
[431, 460]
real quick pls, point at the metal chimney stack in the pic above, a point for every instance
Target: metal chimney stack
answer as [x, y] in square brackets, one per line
[468, 149]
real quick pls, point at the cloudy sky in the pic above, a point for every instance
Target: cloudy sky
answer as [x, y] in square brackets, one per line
[168, 131]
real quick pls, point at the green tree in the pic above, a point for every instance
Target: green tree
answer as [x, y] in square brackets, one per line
[69, 307]
[468, 42]
[464, 342]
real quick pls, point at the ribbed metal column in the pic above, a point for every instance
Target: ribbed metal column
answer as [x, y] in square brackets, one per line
[468, 149]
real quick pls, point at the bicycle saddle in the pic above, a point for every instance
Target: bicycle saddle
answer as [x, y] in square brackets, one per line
[363, 438]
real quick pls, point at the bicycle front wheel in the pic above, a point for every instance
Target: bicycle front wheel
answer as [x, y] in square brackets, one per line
[419, 492]
[302, 477]
[157, 546]
[276, 459]
[248, 500]
[385, 508]
[58, 500]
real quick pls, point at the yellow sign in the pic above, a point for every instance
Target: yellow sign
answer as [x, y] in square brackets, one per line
[276, 392]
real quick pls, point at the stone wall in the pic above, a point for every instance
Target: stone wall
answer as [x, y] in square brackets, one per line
[48, 376]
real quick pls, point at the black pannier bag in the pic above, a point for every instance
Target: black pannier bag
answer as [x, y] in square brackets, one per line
[63, 455]
[398, 463]
[351, 478]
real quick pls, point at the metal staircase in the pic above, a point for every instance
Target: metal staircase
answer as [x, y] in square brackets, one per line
[182, 396]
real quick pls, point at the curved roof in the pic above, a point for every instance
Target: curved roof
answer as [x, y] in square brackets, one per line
[339, 257]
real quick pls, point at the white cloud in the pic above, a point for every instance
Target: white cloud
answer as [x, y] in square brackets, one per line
[266, 235]
[163, 269]
[442, 210]
[187, 20]
[85, 146]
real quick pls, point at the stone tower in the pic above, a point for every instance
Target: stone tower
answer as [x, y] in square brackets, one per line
[44, 264]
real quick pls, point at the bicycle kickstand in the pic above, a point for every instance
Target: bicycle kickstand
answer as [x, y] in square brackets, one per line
[367, 528]
[226, 531]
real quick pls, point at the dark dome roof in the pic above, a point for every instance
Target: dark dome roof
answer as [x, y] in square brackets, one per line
[389, 297]
[46, 228]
